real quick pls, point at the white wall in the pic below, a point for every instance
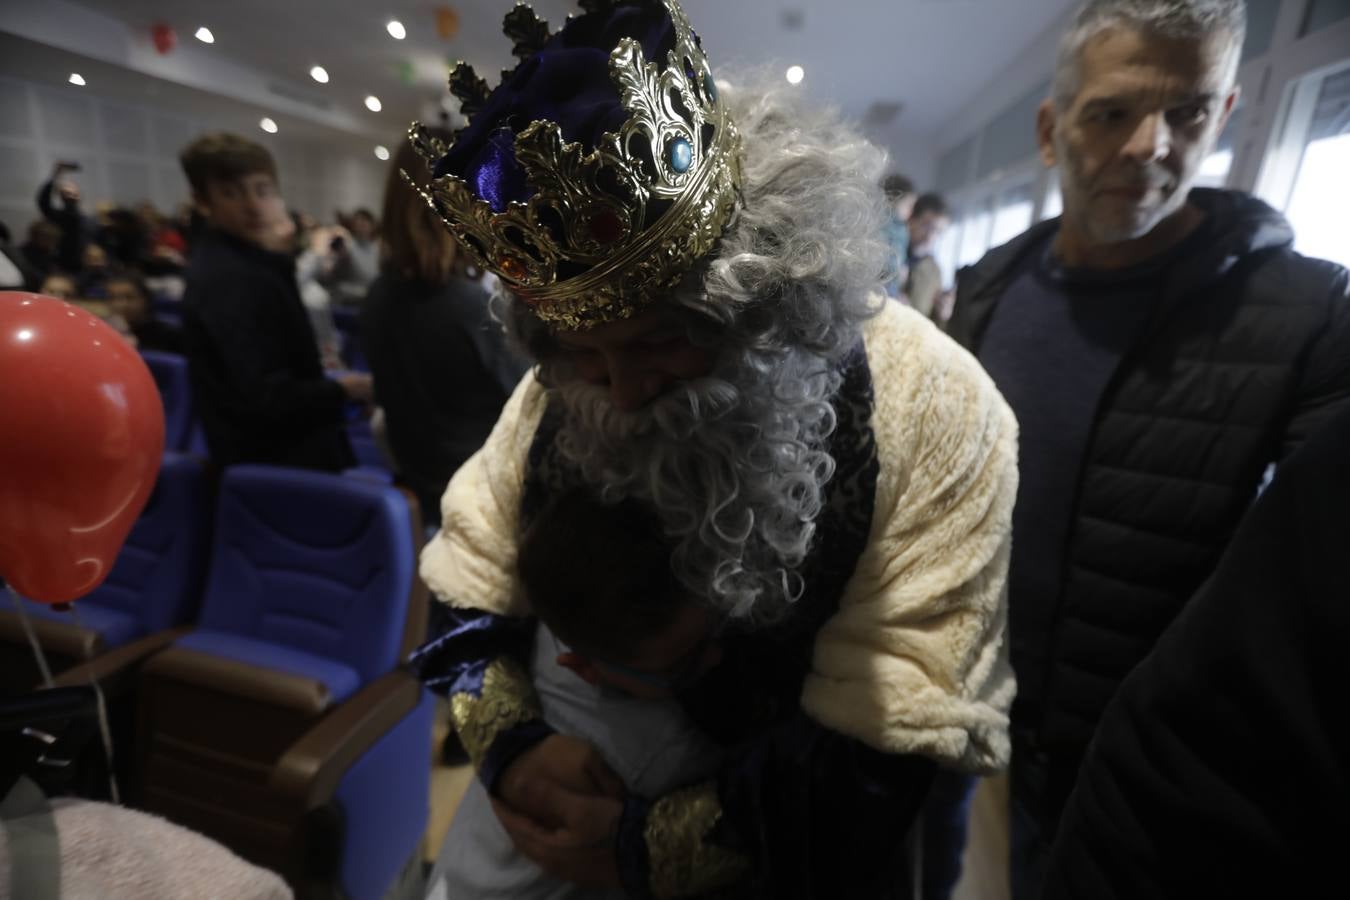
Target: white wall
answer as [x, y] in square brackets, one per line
[910, 155]
[130, 154]
[1032, 67]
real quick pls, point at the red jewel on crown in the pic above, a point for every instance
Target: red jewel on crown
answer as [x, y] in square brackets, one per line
[606, 226]
[511, 267]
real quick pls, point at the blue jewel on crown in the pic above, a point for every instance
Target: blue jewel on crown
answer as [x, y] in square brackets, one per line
[681, 155]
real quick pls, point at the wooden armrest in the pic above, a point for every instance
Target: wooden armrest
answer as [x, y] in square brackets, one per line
[272, 687]
[63, 638]
[311, 768]
[114, 668]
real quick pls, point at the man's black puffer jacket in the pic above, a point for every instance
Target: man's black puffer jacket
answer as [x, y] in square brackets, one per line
[1248, 355]
[1222, 767]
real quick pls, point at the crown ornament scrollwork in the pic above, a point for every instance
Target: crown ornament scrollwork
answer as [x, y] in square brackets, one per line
[471, 91]
[528, 32]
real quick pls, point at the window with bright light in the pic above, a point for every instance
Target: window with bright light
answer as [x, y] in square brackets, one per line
[974, 235]
[944, 253]
[1321, 194]
[1216, 167]
[1012, 215]
[1054, 200]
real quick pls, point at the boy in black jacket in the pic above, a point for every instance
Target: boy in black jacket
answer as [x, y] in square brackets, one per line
[257, 381]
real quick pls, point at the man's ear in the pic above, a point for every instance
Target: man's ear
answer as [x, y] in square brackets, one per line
[1045, 132]
[582, 667]
[1229, 104]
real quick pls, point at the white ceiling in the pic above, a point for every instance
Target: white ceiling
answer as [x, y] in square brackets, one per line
[930, 56]
[43, 64]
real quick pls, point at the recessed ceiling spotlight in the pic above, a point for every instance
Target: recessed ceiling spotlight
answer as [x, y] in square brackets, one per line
[268, 125]
[381, 152]
[396, 30]
[319, 74]
[76, 79]
[795, 74]
[205, 36]
[373, 103]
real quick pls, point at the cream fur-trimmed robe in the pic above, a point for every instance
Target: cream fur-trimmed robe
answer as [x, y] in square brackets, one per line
[915, 660]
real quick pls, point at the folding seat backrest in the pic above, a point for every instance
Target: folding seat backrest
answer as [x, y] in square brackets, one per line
[315, 562]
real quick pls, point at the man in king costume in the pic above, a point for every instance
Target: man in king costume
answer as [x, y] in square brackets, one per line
[695, 268]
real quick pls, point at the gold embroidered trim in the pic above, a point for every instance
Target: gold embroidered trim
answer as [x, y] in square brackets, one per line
[682, 864]
[506, 700]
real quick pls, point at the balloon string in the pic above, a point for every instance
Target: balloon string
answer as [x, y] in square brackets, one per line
[32, 638]
[102, 722]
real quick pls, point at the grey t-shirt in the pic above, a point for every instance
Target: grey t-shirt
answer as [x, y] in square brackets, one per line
[651, 744]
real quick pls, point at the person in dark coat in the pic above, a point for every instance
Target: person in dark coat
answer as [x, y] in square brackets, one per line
[257, 382]
[1221, 769]
[1161, 347]
[441, 366]
[40, 253]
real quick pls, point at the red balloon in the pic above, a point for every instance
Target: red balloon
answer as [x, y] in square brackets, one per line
[164, 38]
[81, 437]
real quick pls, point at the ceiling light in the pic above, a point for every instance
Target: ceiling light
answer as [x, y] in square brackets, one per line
[373, 103]
[205, 36]
[319, 74]
[795, 74]
[268, 125]
[396, 30]
[77, 79]
[381, 152]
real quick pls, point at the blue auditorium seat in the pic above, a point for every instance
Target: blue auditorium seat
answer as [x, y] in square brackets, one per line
[171, 376]
[155, 583]
[162, 305]
[286, 726]
[370, 462]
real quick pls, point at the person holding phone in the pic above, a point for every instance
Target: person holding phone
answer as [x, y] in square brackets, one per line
[64, 212]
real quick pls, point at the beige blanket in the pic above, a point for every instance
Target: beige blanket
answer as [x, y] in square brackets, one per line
[81, 850]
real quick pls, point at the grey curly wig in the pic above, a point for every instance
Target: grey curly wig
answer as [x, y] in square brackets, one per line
[735, 463]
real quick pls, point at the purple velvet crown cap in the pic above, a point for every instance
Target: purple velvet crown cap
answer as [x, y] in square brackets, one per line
[567, 82]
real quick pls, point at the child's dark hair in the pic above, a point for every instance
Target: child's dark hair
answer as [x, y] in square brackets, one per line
[598, 575]
[224, 157]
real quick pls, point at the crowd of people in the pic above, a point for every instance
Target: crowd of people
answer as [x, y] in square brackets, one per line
[250, 291]
[119, 259]
[756, 544]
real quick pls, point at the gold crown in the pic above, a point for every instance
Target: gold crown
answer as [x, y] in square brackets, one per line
[589, 211]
